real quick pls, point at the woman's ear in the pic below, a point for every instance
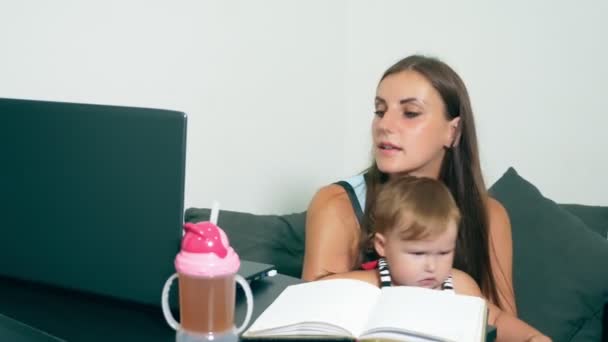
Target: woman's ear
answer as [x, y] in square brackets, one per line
[379, 243]
[455, 132]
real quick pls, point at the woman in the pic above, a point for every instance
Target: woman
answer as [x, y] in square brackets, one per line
[423, 126]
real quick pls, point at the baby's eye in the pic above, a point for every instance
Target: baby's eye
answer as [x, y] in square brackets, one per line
[445, 252]
[418, 253]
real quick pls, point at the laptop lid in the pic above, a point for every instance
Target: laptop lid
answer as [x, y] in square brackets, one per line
[92, 196]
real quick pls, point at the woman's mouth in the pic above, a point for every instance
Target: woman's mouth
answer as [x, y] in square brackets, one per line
[388, 148]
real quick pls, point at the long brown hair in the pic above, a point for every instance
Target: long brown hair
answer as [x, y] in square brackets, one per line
[460, 172]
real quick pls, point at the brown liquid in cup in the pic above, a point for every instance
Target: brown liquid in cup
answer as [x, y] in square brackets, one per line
[206, 304]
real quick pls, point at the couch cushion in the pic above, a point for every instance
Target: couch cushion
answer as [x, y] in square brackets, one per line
[273, 239]
[559, 264]
[595, 217]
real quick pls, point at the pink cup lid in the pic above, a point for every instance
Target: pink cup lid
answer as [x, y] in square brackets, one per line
[206, 252]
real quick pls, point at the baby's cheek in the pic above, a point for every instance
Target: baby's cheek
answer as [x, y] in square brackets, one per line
[403, 276]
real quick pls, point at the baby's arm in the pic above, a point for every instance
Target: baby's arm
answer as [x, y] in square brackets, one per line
[508, 327]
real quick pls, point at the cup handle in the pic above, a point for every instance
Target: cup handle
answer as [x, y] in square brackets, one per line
[249, 296]
[175, 325]
[165, 303]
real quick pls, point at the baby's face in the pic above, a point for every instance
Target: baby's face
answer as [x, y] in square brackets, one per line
[425, 263]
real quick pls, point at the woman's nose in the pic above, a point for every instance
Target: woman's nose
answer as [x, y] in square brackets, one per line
[388, 122]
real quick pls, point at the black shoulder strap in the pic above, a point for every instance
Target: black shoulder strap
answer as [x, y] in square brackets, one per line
[353, 199]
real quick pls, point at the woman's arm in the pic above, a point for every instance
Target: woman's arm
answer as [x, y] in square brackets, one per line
[332, 236]
[508, 327]
[501, 254]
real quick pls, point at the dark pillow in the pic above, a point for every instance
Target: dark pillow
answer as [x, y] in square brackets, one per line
[272, 239]
[559, 265]
[595, 217]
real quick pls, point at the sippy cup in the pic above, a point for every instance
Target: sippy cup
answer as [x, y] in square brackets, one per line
[206, 268]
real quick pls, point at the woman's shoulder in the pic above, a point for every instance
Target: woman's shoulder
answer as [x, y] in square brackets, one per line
[332, 207]
[331, 195]
[335, 196]
[494, 207]
[498, 217]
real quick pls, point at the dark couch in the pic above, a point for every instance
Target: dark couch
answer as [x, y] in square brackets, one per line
[560, 255]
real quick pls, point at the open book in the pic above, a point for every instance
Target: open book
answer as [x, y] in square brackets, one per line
[352, 309]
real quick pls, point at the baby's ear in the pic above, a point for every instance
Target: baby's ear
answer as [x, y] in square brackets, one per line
[379, 243]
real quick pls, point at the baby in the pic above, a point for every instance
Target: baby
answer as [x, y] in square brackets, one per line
[415, 224]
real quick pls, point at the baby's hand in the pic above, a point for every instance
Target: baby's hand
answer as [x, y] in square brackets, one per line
[539, 338]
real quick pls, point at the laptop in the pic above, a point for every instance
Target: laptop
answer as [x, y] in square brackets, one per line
[92, 196]
[254, 271]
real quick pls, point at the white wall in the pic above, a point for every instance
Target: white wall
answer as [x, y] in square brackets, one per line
[536, 72]
[279, 93]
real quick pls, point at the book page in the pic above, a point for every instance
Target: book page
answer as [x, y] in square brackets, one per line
[431, 313]
[339, 302]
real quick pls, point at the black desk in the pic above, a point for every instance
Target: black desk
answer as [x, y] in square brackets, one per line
[31, 313]
[15, 331]
[77, 316]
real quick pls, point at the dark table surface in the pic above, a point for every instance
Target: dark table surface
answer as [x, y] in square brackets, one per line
[34, 312]
[16, 331]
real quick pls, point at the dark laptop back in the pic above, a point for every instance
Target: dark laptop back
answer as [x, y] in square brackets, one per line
[92, 196]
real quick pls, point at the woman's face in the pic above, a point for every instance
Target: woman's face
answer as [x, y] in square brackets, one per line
[410, 130]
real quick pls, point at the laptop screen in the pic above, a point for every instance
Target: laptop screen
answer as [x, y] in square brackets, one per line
[92, 196]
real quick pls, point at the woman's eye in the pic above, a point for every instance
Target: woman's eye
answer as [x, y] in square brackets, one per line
[410, 114]
[379, 113]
